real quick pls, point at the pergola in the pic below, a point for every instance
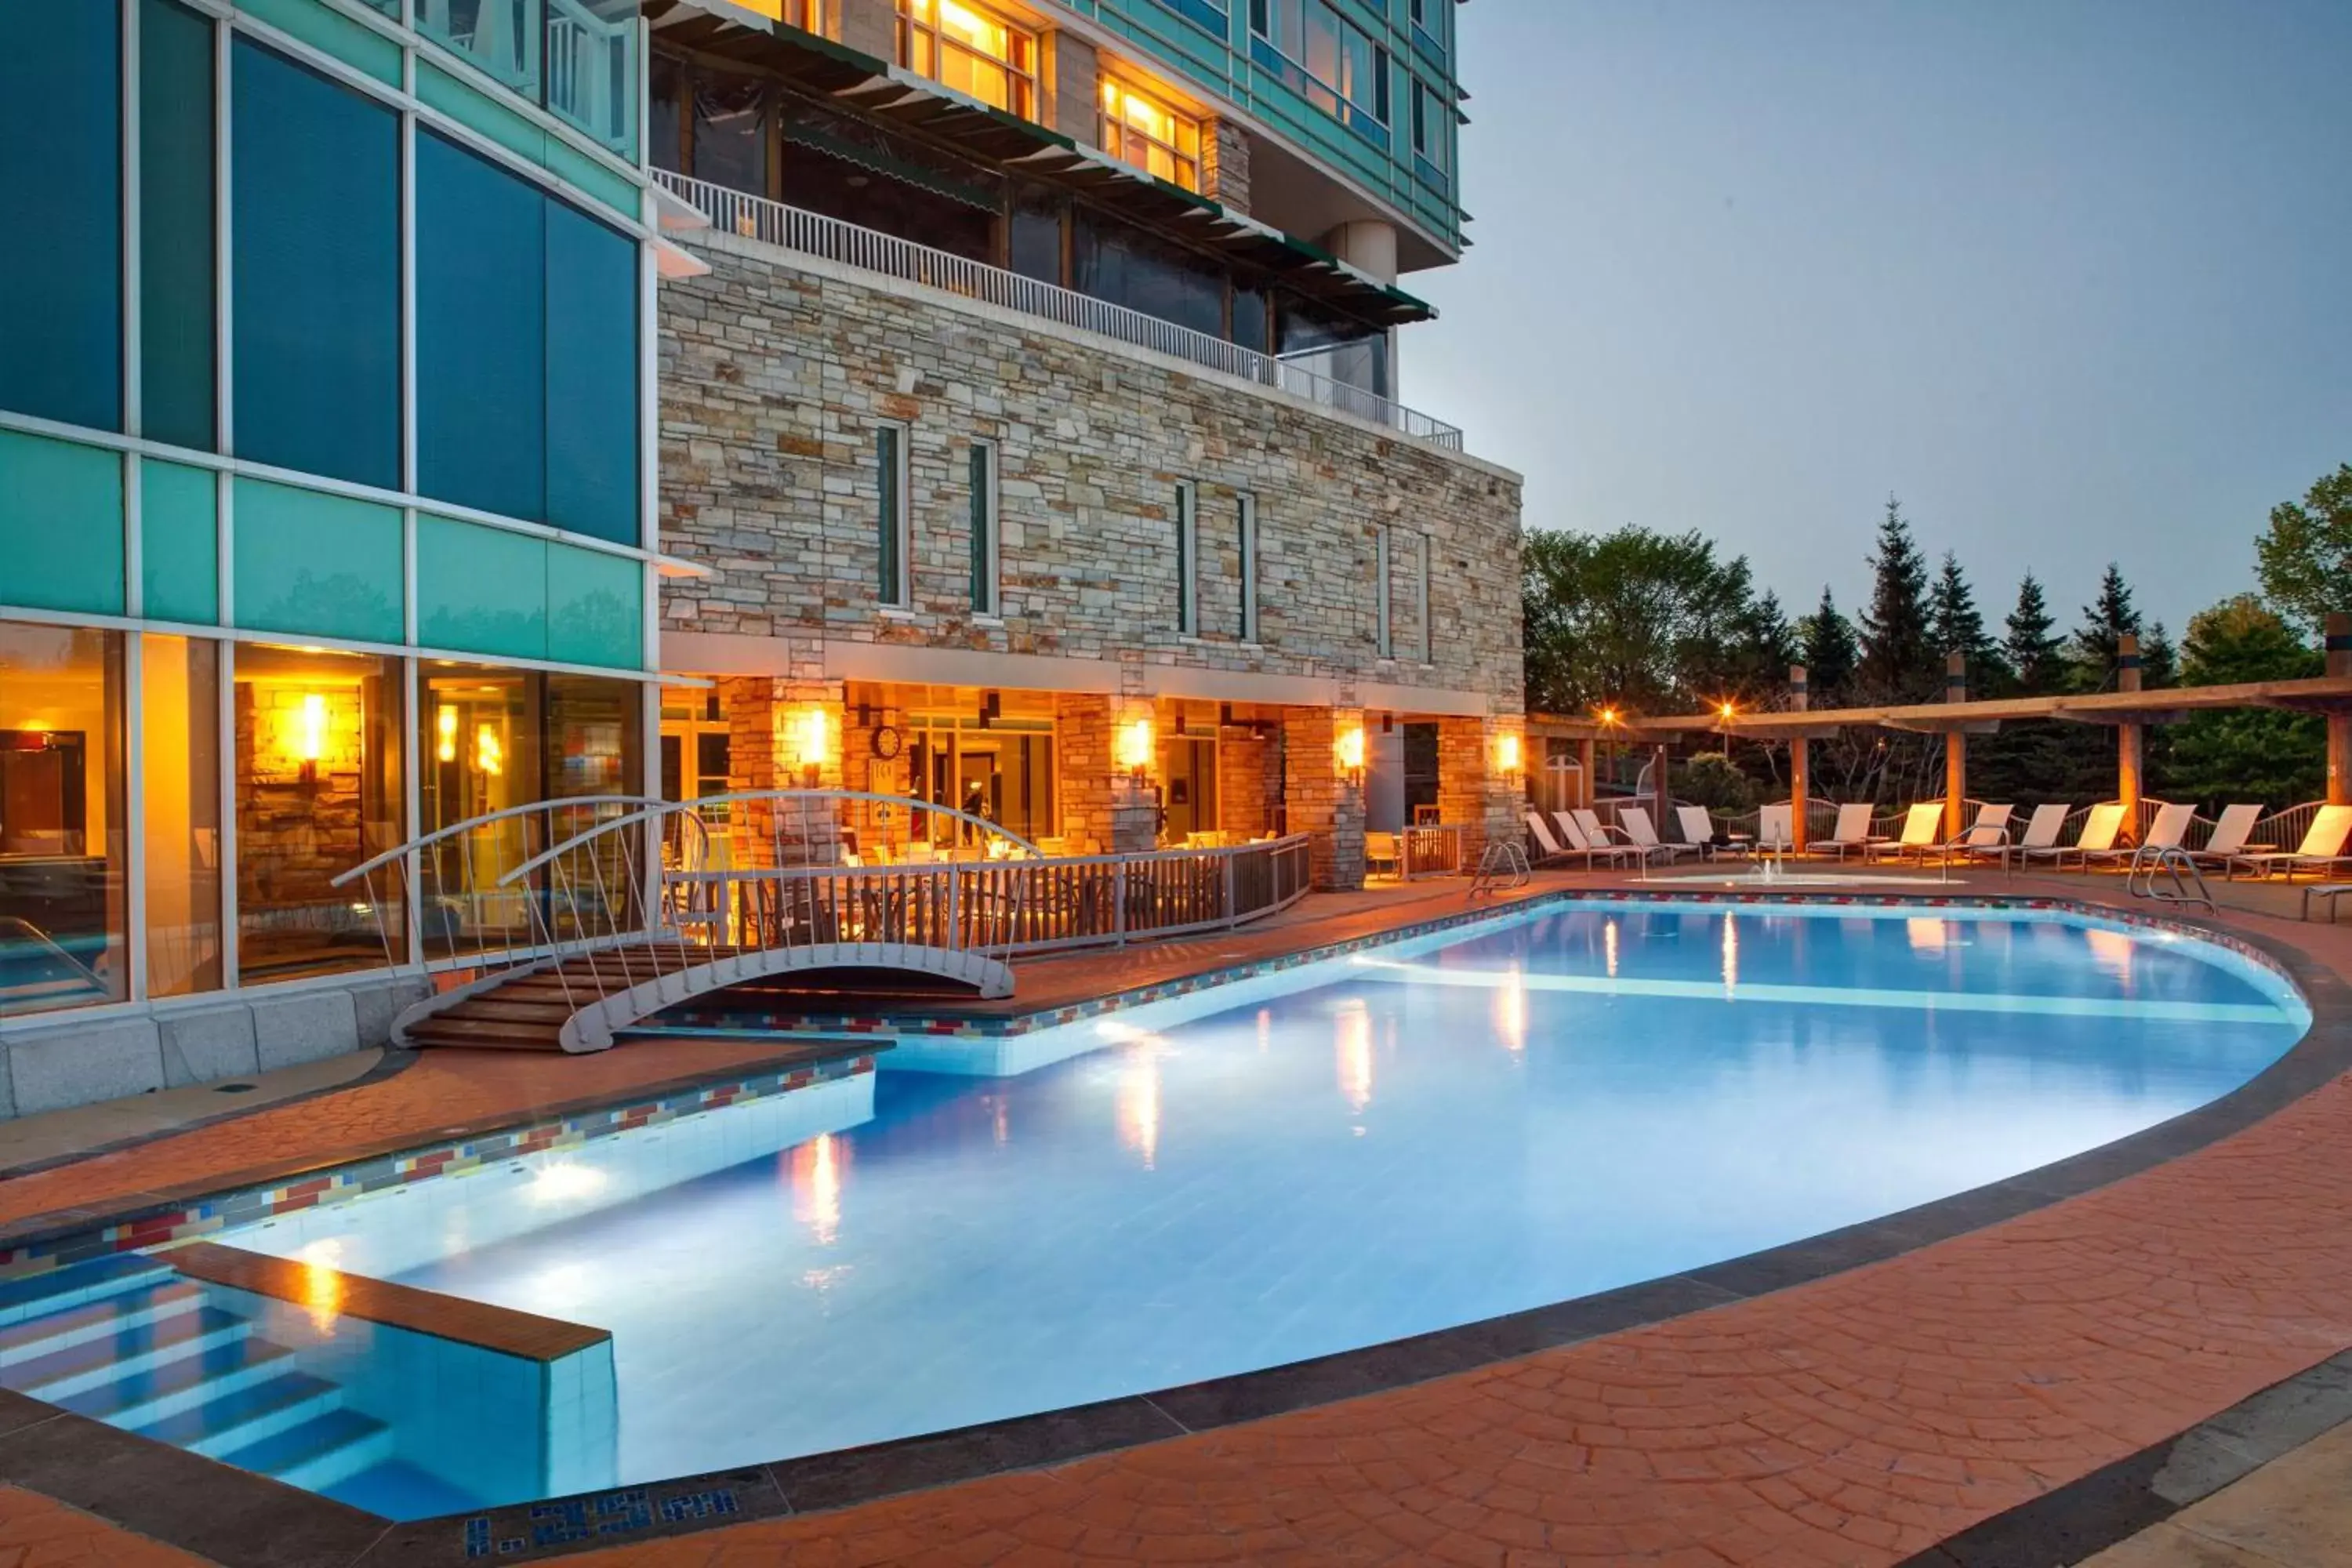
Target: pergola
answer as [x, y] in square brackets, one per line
[2128, 710]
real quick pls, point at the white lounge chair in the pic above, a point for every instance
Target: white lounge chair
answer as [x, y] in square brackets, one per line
[1634, 821]
[1776, 829]
[2228, 839]
[1922, 826]
[1548, 848]
[2100, 831]
[1989, 834]
[2041, 832]
[1698, 827]
[2322, 846]
[1851, 832]
[1577, 842]
[2166, 832]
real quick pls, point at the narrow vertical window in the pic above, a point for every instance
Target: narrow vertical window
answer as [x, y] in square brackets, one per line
[1384, 637]
[890, 485]
[1248, 542]
[983, 528]
[1188, 617]
[1421, 597]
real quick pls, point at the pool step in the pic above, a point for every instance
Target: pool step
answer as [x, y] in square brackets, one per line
[129, 1343]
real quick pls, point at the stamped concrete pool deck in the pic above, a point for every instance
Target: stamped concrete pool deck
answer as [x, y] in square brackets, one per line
[1866, 1417]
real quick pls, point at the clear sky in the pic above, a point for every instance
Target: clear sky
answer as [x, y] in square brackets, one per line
[2071, 277]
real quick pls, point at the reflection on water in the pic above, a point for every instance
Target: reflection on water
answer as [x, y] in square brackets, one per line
[817, 1168]
[1511, 1009]
[1730, 953]
[1352, 1044]
[1138, 1101]
[322, 1282]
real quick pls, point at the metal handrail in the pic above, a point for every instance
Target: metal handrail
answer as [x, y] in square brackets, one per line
[2139, 879]
[813, 234]
[474, 824]
[43, 939]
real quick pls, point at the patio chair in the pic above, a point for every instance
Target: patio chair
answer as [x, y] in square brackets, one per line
[2322, 846]
[1635, 822]
[2229, 837]
[1775, 832]
[1549, 847]
[2100, 831]
[1851, 832]
[2170, 827]
[1382, 849]
[2041, 832]
[1921, 826]
[1579, 842]
[1988, 834]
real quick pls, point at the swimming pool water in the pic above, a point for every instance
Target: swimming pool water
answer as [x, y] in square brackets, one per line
[1424, 1135]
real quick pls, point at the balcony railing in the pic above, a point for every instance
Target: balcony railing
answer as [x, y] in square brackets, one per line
[813, 233]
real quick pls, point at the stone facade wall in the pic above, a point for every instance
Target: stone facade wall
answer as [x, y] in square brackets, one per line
[1072, 77]
[1320, 799]
[775, 373]
[1225, 164]
[298, 827]
[1473, 790]
[763, 753]
[871, 26]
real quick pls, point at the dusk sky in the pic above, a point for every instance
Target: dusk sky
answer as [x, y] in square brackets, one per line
[2071, 277]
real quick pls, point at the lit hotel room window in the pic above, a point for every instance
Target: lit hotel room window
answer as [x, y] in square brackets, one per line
[1138, 129]
[972, 49]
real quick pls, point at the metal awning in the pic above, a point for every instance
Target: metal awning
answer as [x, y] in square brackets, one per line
[725, 34]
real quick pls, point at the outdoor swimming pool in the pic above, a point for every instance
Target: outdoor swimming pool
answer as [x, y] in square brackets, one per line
[1422, 1135]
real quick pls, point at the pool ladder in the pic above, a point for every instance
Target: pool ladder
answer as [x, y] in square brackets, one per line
[1501, 868]
[2183, 882]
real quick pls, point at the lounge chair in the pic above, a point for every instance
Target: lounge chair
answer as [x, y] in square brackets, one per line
[2166, 832]
[1634, 822]
[2321, 847]
[1921, 826]
[2041, 832]
[1776, 829]
[2228, 839]
[1698, 827]
[1851, 832]
[1989, 834]
[1547, 847]
[2100, 831]
[1579, 842]
[1382, 849]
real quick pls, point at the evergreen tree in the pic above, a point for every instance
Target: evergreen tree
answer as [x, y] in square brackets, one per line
[1766, 645]
[1957, 626]
[2228, 754]
[2106, 620]
[1898, 663]
[1827, 640]
[2032, 649]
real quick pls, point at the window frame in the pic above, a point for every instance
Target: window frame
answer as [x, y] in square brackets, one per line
[1247, 539]
[1114, 131]
[1421, 595]
[1188, 560]
[1023, 86]
[987, 542]
[1384, 620]
[894, 586]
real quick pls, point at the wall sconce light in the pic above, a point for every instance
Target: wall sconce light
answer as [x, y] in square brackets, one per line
[1507, 755]
[1349, 752]
[1134, 749]
[811, 736]
[311, 736]
[445, 731]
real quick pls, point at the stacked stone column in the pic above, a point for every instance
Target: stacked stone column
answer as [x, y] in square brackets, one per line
[766, 736]
[1474, 788]
[1320, 799]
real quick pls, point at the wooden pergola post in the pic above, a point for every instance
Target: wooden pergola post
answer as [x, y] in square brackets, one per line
[2128, 738]
[1665, 796]
[1955, 750]
[2339, 722]
[1800, 764]
[1587, 758]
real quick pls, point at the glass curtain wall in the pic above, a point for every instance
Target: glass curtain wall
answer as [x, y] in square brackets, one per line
[64, 827]
[179, 726]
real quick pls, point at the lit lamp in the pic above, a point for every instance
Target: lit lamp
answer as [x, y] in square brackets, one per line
[445, 730]
[489, 756]
[1507, 755]
[811, 744]
[1348, 752]
[1134, 749]
[311, 736]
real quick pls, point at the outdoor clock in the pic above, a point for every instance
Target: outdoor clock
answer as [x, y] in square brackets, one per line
[886, 741]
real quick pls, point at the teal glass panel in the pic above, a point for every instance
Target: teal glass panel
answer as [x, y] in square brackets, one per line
[316, 216]
[60, 525]
[592, 377]
[331, 32]
[61, 181]
[175, 225]
[596, 608]
[179, 543]
[481, 590]
[317, 564]
[476, 110]
[481, 334]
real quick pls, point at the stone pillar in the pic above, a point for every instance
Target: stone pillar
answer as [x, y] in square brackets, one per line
[768, 728]
[1473, 790]
[1135, 802]
[1955, 750]
[1320, 801]
[2339, 724]
[1082, 743]
[870, 26]
[2128, 738]
[1225, 164]
[1072, 77]
[1800, 777]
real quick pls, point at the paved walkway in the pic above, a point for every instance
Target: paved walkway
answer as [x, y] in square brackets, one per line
[1852, 1421]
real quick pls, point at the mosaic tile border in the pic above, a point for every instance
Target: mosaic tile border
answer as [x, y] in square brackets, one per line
[342, 1184]
[1008, 1026]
